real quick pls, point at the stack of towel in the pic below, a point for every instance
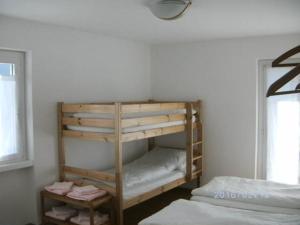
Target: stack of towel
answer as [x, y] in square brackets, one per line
[86, 193]
[61, 212]
[83, 218]
[60, 188]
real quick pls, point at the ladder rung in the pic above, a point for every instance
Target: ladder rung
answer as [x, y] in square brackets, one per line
[197, 157]
[195, 173]
[197, 143]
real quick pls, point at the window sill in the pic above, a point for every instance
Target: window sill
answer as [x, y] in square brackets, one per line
[16, 165]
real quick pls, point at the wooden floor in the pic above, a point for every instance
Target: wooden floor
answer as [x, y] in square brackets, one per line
[136, 213]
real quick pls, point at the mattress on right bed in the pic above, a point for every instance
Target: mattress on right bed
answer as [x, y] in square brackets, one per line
[185, 212]
[234, 201]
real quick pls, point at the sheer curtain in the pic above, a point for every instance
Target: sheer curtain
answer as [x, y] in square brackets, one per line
[8, 118]
[283, 131]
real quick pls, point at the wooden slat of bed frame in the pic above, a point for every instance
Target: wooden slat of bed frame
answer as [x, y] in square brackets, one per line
[151, 133]
[89, 135]
[152, 120]
[88, 108]
[152, 107]
[90, 174]
[108, 123]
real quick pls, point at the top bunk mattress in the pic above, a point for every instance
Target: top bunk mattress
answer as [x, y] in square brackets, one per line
[128, 116]
[128, 129]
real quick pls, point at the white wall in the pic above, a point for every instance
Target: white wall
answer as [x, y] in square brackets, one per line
[70, 66]
[222, 73]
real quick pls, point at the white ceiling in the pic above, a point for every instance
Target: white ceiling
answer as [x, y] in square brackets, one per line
[206, 19]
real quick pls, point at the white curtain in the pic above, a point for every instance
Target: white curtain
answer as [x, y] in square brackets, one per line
[283, 131]
[8, 118]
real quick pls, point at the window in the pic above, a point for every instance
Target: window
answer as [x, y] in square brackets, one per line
[280, 126]
[13, 121]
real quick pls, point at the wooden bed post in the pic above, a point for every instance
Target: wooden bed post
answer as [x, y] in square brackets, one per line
[118, 164]
[189, 141]
[151, 141]
[61, 147]
[199, 137]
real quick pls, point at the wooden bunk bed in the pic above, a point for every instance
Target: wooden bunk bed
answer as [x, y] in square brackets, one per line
[186, 119]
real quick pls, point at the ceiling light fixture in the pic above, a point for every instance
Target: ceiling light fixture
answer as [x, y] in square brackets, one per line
[169, 9]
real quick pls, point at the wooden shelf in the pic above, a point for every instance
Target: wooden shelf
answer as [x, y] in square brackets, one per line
[86, 204]
[47, 219]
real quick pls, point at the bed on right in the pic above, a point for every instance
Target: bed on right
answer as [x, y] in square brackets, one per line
[234, 201]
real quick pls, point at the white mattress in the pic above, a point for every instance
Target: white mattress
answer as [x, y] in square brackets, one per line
[234, 201]
[155, 168]
[184, 212]
[144, 187]
[127, 116]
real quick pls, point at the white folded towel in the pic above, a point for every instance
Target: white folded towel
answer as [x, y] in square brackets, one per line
[61, 185]
[64, 210]
[84, 190]
[58, 217]
[83, 218]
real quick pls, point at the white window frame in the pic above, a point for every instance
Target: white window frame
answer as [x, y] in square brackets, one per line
[261, 117]
[27, 152]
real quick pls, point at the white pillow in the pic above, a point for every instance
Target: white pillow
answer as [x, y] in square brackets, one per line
[152, 165]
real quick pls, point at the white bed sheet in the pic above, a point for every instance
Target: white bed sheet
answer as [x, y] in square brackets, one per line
[154, 169]
[244, 205]
[152, 165]
[143, 187]
[258, 192]
[184, 212]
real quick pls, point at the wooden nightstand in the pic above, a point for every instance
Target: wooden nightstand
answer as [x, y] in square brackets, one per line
[90, 205]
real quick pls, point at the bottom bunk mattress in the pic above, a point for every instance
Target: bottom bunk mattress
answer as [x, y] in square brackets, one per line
[154, 169]
[143, 187]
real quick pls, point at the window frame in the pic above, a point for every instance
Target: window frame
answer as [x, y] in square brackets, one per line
[25, 157]
[261, 117]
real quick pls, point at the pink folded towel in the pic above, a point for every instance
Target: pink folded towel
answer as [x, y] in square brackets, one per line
[60, 188]
[59, 192]
[87, 197]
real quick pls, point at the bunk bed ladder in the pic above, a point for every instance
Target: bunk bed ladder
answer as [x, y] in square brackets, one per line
[118, 165]
[194, 142]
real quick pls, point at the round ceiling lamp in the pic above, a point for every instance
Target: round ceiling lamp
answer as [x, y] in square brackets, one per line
[169, 9]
